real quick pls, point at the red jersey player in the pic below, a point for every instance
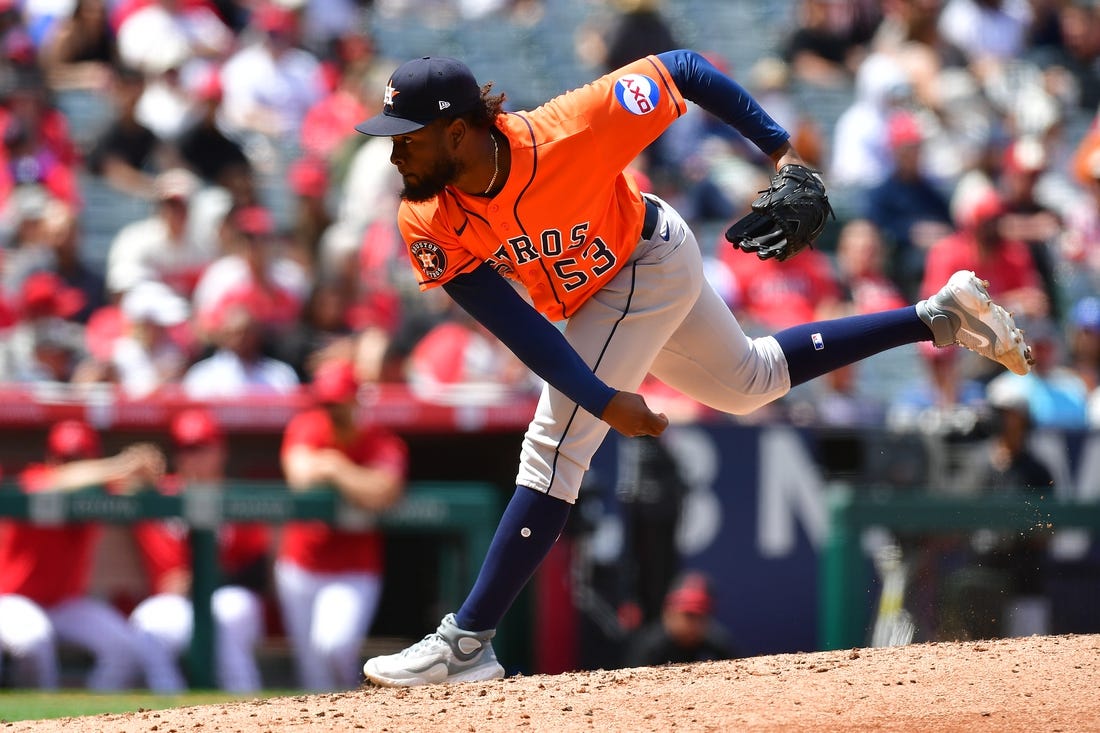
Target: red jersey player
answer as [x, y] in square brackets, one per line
[45, 570]
[329, 580]
[167, 616]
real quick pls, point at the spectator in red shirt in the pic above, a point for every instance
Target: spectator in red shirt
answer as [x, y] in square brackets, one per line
[330, 123]
[45, 570]
[861, 269]
[44, 345]
[979, 245]
[459, 358]
[255, 267]
[37, 147]
[329, 580]
[769, 294]
[167, 616]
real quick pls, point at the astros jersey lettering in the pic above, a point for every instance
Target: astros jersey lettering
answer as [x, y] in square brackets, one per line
[568, 217]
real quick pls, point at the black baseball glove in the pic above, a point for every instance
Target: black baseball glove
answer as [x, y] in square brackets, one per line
[785, 218]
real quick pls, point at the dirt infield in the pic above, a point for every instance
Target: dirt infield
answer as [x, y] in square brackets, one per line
[1035, 684]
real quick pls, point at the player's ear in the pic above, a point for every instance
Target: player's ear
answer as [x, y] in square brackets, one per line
[456, 132]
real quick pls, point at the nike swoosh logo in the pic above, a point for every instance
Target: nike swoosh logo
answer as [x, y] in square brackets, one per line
[981, 340]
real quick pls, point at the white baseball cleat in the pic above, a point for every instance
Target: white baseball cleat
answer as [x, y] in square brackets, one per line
[448, 655]
[963, 313]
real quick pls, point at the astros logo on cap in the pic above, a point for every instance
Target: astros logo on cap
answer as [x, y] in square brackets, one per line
[387, 100]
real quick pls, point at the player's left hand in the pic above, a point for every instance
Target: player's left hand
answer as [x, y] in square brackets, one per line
[628, 413]
[787, 216]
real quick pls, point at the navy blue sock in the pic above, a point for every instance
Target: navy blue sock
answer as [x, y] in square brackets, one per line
[813, 349]
[530, 526]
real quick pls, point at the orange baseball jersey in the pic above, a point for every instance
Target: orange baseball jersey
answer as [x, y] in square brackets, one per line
[568, 217]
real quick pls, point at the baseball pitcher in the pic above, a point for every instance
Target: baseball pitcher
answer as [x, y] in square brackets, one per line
[540, 199]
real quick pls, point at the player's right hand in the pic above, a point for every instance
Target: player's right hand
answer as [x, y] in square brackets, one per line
[628, 413]
[136, 467]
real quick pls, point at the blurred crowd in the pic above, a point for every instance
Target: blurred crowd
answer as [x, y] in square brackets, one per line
[968, 138]
[267, 243]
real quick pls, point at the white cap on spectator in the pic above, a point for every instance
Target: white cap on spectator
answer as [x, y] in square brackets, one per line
[1007, 394]
[154, 302]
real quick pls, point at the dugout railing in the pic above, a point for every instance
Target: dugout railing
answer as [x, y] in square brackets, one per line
[460, 516]
[846, 571]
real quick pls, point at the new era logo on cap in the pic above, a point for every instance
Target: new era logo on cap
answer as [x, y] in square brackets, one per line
[422, 91]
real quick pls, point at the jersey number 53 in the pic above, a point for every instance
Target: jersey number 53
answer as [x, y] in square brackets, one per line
[574, 264]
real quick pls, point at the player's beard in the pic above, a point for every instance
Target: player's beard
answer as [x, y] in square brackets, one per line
[431, 184]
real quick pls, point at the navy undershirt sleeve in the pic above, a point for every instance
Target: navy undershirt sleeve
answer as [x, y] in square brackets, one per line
[491, 300]
[699, 81]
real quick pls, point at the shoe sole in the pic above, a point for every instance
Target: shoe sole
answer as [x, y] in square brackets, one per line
[972, 295]
[478, 674]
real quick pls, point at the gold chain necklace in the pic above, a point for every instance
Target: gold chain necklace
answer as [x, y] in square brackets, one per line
[496, 164]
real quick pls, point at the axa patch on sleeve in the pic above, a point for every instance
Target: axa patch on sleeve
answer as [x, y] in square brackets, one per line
[637, 93]
[430, 258]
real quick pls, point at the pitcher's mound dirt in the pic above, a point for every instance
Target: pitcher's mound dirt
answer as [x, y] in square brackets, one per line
[1034, 684]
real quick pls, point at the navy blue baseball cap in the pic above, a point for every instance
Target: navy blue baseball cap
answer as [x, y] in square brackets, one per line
[422, 91]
